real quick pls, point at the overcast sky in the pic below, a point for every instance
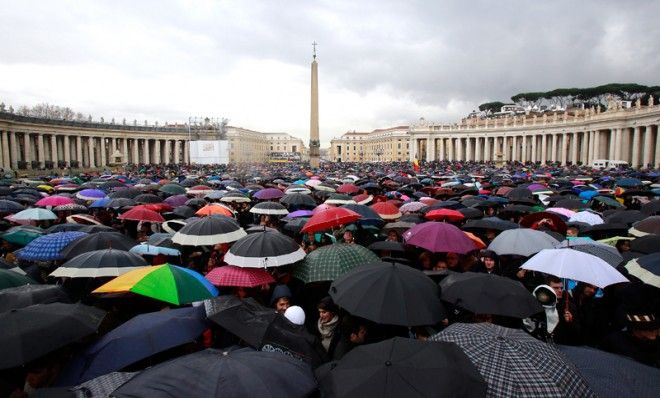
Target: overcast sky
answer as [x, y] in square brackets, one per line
[381, 63]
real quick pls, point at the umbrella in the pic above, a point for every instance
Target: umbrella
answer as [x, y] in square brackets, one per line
[199, 190]
[348, 188]
[514, 363]
[35, 214]
[264, 249]
[118, 203]
[70, 207]
[646, 268]
[212, 373]
[607, 201]
[9, 206]
[613, 376]
[268, 194]
[628, 182]
[607, 253]
[586, 217]
[230, 275]
[298, 200]
[147, 198]
[235, 197]
[651, 208]
[339, 199]
[389, 293]
[209, 231]
[329, 218]
[128, 193]
[272, 208]
[646, 244]
[22, 234]
[100, 263]
[386, 211]
[90, 194]
[214, 209]
[151, 250]
[94, 228]
[369, 216]
[327, 263]
[142, 214]
[184, 211]
[296, 224]
[26, 295]
[575, 265]
[299, 213]
[31, 332]
[173, 189]
[522, 242]
[471, 212]
[444, 215]
[562, 211]
[571, 204]
[493, 223]
[176, 200]
[54, 200]
[168, 283]
[649, 225]
[48, 247]
[489, 294]
[98, 241]
[628, 217]
[412, 207]
[401, 367]
[9, 279]
[140, 337]
[196, 202]
[439, 237]
[387, 246]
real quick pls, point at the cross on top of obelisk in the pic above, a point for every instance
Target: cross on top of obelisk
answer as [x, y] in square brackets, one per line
[314, 44]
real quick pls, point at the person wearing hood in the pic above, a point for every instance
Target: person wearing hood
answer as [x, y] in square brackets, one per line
[281, 298]
[557, 323]
[328, 323]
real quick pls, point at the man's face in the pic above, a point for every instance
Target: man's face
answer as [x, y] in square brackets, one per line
[282, 304]
[358, 338]
[589, 291]
[558, 287]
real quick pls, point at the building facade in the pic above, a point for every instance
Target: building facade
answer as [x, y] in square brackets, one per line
[382, 145]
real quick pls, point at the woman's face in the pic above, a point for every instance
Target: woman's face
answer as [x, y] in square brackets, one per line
[282, 304]
[489, 263]
[325, 316]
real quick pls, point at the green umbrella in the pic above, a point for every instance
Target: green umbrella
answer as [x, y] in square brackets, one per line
[13, 279]
[607, 201]
[173, 189]
[22, 235]
[329, 262]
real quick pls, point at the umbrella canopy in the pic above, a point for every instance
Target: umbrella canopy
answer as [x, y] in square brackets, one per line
[147, 198]
[369, 216]
[648, 226]
[586, 217]
[331, 217]
[489, 294]
[100, 263]
[98, 241]
[176, 200]
[402, 367]
[522, 242]
[270, 208]
[327, 263]
[607, 253]
[411, 207]
[264, 249]
[613, 376]
[230, 275]
[493, 223]
[24, 296]
[214, 373]
[339, 199]
[140, 337]
[298, 200]
[36, 214]
[90, 194]
[139, 213]
[151, 250]
[118, 203]
[444, 215]
[235, 197]
[9, 278]
[646, 268]
[348, 188]
[54, 200]
[48, 247]
[209, 231]
[386, 210]
[214, 209]
[9, 206]
[173, 189]
[514, 364]
[389, 293]
[439, 237]
[22, 234]
[30, 332]
[168, 283]
[268, 194]
[575, 265]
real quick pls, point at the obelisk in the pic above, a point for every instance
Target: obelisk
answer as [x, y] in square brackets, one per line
[314, 142]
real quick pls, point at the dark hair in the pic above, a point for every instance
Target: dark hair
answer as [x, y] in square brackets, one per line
[327, 304]
[552, 279]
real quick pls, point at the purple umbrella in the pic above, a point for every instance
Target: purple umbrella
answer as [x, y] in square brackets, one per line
[535, 187]
[90, 194]
[268, 194]
[176, 200]
[439, 237]
[300, 213]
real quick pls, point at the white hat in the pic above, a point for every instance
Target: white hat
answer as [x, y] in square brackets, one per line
[295, 314]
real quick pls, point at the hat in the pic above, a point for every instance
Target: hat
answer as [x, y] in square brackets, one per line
[280, 291]
[488, 254]
[327, 304]
[295, 314]
[642, 321]
[545, 295]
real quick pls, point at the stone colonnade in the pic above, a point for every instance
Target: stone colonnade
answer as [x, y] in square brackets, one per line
[29, 149]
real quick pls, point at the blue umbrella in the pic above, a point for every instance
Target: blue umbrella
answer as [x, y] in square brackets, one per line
[588, 194]
[152, 250]
[209, 286]
[139, 338]
[628, 182]
[9, 206]
[100, 203]
[91, 194]
[48, 247]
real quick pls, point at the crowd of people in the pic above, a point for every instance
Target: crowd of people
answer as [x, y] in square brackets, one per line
[612, 213]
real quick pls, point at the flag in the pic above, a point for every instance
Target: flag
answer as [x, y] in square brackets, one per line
[415, 165]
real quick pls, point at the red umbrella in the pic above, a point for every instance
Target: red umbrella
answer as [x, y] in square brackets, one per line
[322, 207]
[444, 215]
[363, 199]
[348, 188]
[230, 275]
[386, 210]
[159, 207]
[329, 218]
[140, 213]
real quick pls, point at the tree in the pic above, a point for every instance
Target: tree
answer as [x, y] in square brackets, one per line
[494, 106]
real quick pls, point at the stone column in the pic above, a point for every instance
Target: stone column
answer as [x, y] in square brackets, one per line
[67, 150]
[611, 147]
[478, 150]
[429, 149]
[635, 147]
[596, 145]
[145, 152]
[487, 157]
[459, 149]
[168, 152]
[104, 152]
[514, 149]
[618, 144]
[124, 150]
[92, 155]
[523, 156]
[135, 146]
[563, 147]
[584, 147]
[14, 149]
[412, 154]
[157, 152]
[41, 154]
[544, 148]
[27, 150]
[79, 151]
[657, 148]
[6, 160]
[186, 152]
[648, 142]
[53, 150]
[533, 149]
[553, 148]
[574, 147]
[450, 152]
[468, 149]
[177, 151]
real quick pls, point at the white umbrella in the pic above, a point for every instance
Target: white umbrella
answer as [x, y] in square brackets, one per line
[575, 265]
[35, 214]
[522, 242]
[586, 217]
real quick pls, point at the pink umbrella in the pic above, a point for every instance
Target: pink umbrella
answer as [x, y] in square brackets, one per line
[54, 201]
[560, 210]
[439, 237]
[322, 207]
[230, 275]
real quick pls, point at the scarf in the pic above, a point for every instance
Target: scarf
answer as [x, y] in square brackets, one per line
[327, 330]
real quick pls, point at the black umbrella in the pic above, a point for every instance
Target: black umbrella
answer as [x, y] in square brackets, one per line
[98, 241]
[298, 200]
[100, 263]
[387, 245]
[30, 332]
[494, 223]
[161, 239]
[489, 294]
[262, 328]
[147, 198]
[64, 228]
[264, 249]
[196, 202]
[120, 202]
[369, 216]
[571, 204]
[215, 373]
[646, 244]
[517, 209]
[128, 193]
[209, 231]
[296, 224]
[402, 367]
[389, 293]
[624, 217]
[184, 211]
[272, 208]
[27, 295]
[92, 229]
[651, 209]
[471, 213]
[602, 231]
[9, 206]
